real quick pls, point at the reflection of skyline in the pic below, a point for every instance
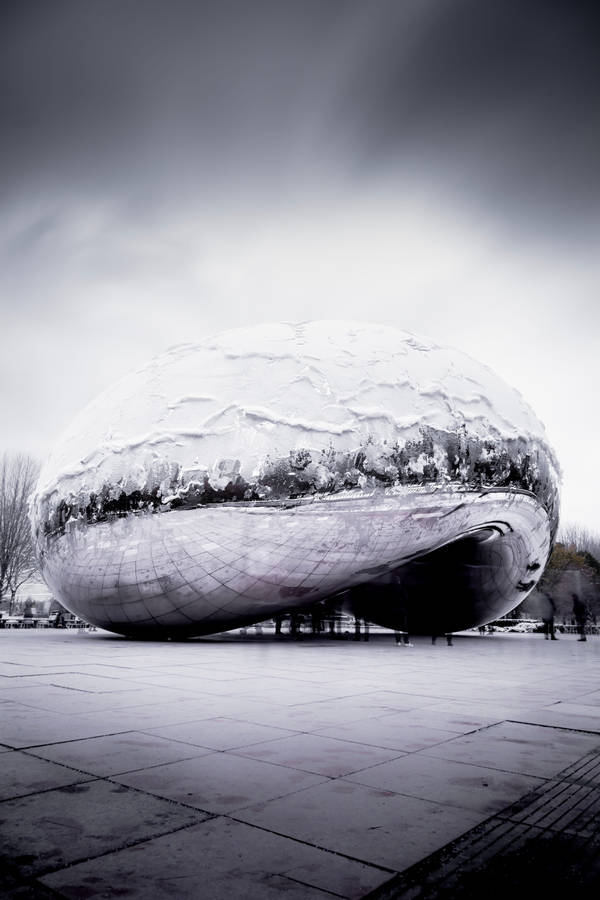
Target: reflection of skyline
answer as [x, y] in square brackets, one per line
[174, 169]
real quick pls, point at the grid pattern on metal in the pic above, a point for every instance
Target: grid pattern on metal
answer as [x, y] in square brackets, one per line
[211, 568]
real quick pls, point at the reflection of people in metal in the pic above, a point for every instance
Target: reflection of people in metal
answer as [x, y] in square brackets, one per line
[403, 639]
[316, 618]
[357, 624]
[296, 623]
[548, 611]
[401, 632]
[447, 635]
[580, 611]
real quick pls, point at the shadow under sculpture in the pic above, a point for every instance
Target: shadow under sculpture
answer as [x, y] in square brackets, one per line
[265, 469]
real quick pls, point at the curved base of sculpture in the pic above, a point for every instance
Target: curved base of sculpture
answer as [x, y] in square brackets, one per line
[429, 560]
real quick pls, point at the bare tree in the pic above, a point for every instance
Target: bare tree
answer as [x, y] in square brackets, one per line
[582, 539]
[18, 474]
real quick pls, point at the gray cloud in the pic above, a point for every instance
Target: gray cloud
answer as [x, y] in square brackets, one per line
[492, 100]
[173, 167]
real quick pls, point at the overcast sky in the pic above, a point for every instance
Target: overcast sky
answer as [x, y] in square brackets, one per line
[171, 168]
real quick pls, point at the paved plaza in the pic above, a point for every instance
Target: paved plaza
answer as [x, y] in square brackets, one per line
[263, 766]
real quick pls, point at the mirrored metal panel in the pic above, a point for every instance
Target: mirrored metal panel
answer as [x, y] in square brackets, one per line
[269, 468]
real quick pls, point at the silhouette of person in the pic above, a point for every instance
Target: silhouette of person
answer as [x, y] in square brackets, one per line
[401, 632]
[316, 620]
[447, 635]
[580, 612]
[548, 611]
[401, 624]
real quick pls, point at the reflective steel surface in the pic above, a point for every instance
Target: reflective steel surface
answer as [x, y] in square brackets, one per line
[209, 569]
[270, 468]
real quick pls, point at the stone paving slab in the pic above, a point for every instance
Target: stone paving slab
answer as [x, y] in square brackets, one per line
[517, 747]
[87, 681]
[219, 858]
[448, 720]
[52, 829]
[307, 717]
[375, 826]
[23, 726]
[444, 781]
[70, 701]
[220, 733]
[545, 844]
[574, 716]
[590, 698]
[318, 754]
[397, 731]
[147, 715]
[117, 753]
[22, 774]
[219, 782]
[260, 767]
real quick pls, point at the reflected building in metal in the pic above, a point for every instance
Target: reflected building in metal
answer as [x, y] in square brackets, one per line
[271, 468]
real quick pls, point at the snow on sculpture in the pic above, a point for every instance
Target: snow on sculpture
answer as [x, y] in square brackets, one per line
[269, 468]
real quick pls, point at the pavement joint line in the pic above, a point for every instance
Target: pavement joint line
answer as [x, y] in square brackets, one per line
[235, 752]
[226, 749]
[46, 674]
[63, 687]
[273, 762]
[89, 780]
[126, 846]
[289, 837]
[114, 775]
[307, 884]
[398, 749]
[92, 737]
[224, 753]
[148, 793]
[568, 728]
[362, 696]
[111, 779]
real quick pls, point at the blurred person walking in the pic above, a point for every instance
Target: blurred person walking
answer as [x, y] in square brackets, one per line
[548, 612]
[580, 611]
[447, 635]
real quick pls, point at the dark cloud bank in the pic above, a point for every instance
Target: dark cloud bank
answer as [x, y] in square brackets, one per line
[178, 167]
[495, 100]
